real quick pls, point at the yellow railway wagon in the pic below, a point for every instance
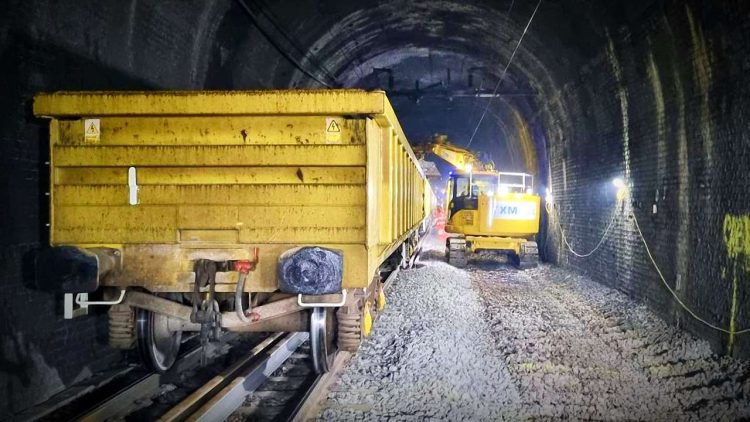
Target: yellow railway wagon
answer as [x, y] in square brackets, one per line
[228, 210]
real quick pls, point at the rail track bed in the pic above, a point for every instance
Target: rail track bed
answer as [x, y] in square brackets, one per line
[265, 378]
[495, 343]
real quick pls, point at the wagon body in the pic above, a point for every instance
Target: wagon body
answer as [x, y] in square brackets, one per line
[167, 178]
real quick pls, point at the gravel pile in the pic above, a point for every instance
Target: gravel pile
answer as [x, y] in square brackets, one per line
[431, 356]
[495, 343]
[575, 348]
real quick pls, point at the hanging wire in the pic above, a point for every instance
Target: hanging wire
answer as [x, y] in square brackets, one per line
[278, 48]
[674, 294]
[505, 72]
[293, 42]
[598, 244]
[650, 257]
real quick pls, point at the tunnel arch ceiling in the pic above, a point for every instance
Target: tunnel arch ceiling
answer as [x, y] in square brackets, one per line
[423, 41]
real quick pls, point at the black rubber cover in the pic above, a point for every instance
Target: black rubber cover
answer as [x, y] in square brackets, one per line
[66, 269]
[311, 271]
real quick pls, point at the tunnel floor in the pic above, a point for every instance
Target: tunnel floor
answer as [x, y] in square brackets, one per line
[492, 342]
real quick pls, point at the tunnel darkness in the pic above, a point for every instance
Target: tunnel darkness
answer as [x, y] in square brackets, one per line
[653, 91]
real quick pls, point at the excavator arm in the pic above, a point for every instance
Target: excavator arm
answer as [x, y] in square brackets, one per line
[458, 157]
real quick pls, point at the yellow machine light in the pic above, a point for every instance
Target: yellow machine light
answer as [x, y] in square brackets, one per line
[468, 167]
[381, 299]
[459, 166]
[366, 320]
[618, 182]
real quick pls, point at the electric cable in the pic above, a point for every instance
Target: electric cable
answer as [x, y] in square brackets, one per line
[598, 244]
[293, 42]
[278, 48]
[674, 294]
[505, 72]
[650, 257]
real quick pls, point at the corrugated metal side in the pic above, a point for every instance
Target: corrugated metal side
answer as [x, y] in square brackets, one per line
[396, 189]
[268, 180]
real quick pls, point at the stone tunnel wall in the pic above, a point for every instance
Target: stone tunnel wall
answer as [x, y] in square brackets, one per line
[662, 102]
[665, 106]
[71, 45]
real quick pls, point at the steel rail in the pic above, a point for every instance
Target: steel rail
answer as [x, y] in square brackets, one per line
[226, 392]
[309, 405]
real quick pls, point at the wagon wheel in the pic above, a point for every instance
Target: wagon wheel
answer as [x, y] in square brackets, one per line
[322, 338]
[157, 345]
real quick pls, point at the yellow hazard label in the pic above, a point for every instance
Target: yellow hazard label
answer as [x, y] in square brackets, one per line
[91, 130]
[333, 130]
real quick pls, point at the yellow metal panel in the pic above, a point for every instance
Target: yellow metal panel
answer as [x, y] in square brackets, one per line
[285, 217]
[208, 217]
[213, 130]
[210, 155]
[331, 235]
[374, 184]
[464, 221]
[76, 224]
[227, 236]
[495, 243]
[288, 195]
[211, 175]
[521, 226]
[216, 103]
[160, 224]
[388, 119]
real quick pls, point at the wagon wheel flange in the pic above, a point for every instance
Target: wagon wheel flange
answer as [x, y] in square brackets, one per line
[322, 338]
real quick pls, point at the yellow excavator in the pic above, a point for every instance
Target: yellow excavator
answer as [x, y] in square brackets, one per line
[487, 210]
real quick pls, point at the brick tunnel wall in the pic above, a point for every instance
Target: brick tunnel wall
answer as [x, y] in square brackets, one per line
[665, 105]
[71, 45]
[680, 74]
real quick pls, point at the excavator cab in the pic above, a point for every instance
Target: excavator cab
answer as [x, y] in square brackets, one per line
[464, 189]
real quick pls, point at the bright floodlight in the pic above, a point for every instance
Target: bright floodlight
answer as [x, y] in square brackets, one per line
[618, 182]
[468, 167]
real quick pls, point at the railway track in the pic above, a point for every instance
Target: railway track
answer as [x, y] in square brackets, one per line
[226, 392]
[274, 381]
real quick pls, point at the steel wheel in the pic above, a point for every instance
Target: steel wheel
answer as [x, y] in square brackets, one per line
[157, 345]
[322, 338]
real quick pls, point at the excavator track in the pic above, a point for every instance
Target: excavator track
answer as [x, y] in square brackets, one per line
[529, 257]
[456, 252]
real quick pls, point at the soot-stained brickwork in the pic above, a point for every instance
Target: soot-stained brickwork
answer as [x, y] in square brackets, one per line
[655, 91]
[664, 105]
[49, 46]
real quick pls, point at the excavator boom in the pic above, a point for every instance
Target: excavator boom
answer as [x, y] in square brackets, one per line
[458, 157]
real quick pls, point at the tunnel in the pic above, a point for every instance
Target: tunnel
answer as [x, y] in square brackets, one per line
[577, 93]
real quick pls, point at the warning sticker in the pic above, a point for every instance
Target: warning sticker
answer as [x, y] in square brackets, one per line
[333, 131]
[91, 130]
